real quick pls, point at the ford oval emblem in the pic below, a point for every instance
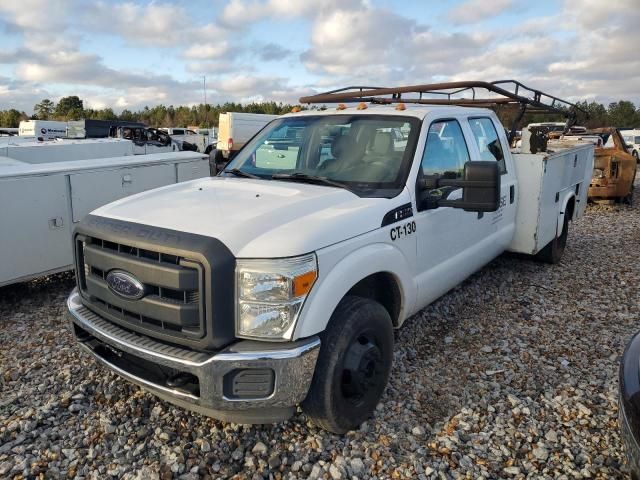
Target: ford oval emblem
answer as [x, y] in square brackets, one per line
[125, 285]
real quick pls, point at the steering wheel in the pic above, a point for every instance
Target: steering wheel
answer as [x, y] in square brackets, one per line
[379, 167]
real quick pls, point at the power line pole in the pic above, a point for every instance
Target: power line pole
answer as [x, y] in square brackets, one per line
[204, 91]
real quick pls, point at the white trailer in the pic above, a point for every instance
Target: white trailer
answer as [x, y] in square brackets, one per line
[46, 129]
[41, 203]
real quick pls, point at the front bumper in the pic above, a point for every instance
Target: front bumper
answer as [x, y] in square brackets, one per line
[155, 366]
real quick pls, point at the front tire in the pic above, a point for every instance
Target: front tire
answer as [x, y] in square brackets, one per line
[353, 366]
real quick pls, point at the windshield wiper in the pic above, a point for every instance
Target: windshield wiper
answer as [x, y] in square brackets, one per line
[304, 178]
[239, 173]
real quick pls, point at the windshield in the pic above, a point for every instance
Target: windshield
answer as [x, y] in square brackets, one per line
[368, 154]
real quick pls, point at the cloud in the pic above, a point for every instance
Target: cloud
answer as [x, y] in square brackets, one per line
[273, 52]
[585, 49]
[474, 11]
[384, 47]
[238, 13]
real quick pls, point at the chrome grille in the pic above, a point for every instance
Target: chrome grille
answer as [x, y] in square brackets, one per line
[172, 306]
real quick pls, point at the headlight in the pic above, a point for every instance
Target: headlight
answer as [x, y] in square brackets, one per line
[270, 294]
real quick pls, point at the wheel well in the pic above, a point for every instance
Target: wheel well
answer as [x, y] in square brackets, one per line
[383, 288]
[571, 205]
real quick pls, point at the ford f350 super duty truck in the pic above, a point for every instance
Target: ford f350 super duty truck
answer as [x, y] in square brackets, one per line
[276, 284]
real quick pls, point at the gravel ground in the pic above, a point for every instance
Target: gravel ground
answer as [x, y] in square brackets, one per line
[513, 374]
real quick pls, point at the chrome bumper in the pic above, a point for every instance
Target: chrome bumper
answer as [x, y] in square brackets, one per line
[292, 364]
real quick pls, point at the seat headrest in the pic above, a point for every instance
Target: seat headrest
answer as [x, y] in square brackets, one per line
[382, 143]
[342, 146]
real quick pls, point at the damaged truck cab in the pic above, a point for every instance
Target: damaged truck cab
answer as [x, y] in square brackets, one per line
[279, 282]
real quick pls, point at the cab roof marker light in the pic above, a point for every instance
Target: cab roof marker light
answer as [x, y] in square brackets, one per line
[341, 106]
[296, 109]
[401, 106]
[361, 106]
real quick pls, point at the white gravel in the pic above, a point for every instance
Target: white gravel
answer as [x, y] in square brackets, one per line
[511, 375]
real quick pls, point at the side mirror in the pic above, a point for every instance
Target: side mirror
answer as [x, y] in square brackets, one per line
[480, 185]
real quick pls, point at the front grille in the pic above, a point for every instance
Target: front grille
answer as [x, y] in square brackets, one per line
[172, 308]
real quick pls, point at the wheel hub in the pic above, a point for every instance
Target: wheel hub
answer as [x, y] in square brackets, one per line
[361, 368]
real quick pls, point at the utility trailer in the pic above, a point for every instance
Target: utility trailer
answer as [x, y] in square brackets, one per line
[45, 129]
[42, 202]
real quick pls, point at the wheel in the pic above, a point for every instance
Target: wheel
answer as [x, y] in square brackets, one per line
[353, 366]
[213, 169]
[553, 251]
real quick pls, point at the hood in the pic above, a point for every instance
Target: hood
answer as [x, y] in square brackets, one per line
[255, 218]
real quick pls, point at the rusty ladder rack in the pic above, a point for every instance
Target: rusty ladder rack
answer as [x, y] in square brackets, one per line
[508, 93]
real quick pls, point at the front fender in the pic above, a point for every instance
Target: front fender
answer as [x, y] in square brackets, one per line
[337, 278]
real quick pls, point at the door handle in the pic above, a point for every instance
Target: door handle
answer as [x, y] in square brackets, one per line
[512, 193]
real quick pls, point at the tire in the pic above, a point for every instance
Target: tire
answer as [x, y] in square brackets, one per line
[356, 353]
[553, 251]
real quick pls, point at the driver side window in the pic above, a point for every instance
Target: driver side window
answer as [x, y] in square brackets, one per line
[446, 150]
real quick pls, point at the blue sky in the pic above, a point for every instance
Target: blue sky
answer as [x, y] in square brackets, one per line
[128, 54]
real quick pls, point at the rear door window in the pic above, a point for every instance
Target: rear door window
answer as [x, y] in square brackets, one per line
[488, 142]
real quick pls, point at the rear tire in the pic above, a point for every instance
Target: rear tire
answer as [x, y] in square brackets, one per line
[553, 251]
[353, 366]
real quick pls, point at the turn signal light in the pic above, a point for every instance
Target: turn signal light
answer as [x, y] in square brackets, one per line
[302, 283]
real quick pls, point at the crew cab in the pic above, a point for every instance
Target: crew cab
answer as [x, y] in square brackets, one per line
[279, 282]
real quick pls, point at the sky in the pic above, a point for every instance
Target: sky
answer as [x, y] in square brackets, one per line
[131, 54]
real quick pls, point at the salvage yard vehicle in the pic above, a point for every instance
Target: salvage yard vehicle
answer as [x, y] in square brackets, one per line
[234, 130]
[278, 284]
[90, 128]
[629, 404]
[43, 196]
[632, 139]
[614, 168]
[150, 140]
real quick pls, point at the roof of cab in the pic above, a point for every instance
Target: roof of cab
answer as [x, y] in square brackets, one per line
[411, 110]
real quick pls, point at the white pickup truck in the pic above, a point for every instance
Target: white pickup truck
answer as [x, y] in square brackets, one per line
[244, 295]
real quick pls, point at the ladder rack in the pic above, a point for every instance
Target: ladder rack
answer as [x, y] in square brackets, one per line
[465, 93]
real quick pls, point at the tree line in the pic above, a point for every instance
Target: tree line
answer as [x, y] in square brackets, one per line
[617, 114]
[204, 116]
